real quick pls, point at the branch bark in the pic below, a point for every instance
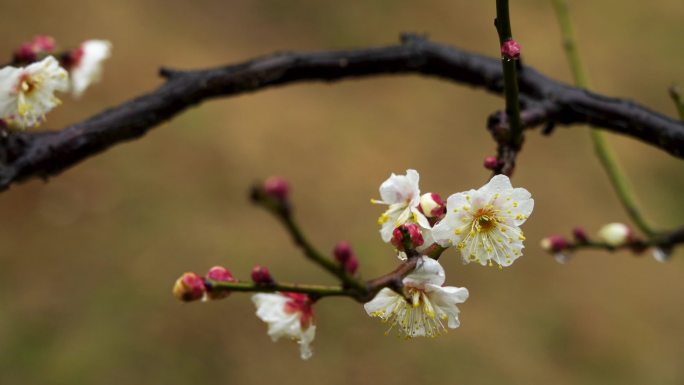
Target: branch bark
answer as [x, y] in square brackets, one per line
[25, 155]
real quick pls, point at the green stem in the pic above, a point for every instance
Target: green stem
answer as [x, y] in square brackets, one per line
[314, 290]
[603, 151]
[503, 27]
[323, 261]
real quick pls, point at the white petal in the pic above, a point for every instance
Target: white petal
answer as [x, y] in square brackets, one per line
[9, 79]
[420, 218]
[498, 184]
[400, 188]
[458, 207]
[383, 304]
[428, 271]
[445, 299]
[305, 340]
[89, 68]
[271, 309]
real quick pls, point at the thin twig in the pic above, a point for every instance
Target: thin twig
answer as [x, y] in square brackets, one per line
[317, 291]
[512, 143]
[603, 150]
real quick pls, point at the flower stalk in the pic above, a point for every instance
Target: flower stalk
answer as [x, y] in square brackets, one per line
[603, 151]
[511, 91]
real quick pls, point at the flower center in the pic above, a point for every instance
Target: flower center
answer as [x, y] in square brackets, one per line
[413, 318]
[300, 303]
[27, 84]
[485, 219]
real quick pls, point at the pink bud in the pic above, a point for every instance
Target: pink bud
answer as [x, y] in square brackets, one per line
[491, 162]
[29, 51]
[25, 54]
[554, 243]
[351, 265]
[219, 274]
[343, 252]
[261, 275]
[432, 205]
[510, 49]
[580, 235]
[413, 232]
[44, 43]
[189, 287]
[277, 187]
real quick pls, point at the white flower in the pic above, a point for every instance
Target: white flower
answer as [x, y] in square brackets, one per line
[615, 234]
[402, 194]
[86, 66]
[27, 94]
[483, 224]
[288, 315]
[432, 306]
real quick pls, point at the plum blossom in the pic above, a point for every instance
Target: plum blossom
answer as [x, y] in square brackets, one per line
[288, 315]
[484, 224]
[402, 195]
[432, 307]
[85, 64]
[27, 94]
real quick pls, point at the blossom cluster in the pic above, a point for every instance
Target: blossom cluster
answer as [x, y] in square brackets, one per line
[27, 91]
[482, 226]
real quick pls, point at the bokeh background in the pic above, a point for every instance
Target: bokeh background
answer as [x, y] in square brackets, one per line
[88, 259]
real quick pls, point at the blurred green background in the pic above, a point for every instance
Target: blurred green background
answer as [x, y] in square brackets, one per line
[88, 259]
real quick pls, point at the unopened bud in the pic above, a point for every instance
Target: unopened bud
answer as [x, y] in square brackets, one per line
[580, 235]
[261, 275]
[412, 231]
[219, 274]
[343, 252]
[277, 187]
[432, 205]
[554, 243]
[491, 162]
[510, 49]
[189, 287]
[615, 234]
[351, 265]
[30, 51]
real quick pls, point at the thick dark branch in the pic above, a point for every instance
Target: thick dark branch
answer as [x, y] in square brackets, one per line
[25, 155]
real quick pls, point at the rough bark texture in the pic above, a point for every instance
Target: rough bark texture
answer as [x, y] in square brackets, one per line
[25, 155]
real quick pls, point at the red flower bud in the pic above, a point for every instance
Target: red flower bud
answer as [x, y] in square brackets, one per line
[29, 51]
[219, 274]
[431, 205]
[277, 187]
[351, 265]
[413, 232]
[189, 287]
[261, 275]
[491, 162]
[343, 252]
[580, 235]
[554, 243]
[510, 49]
